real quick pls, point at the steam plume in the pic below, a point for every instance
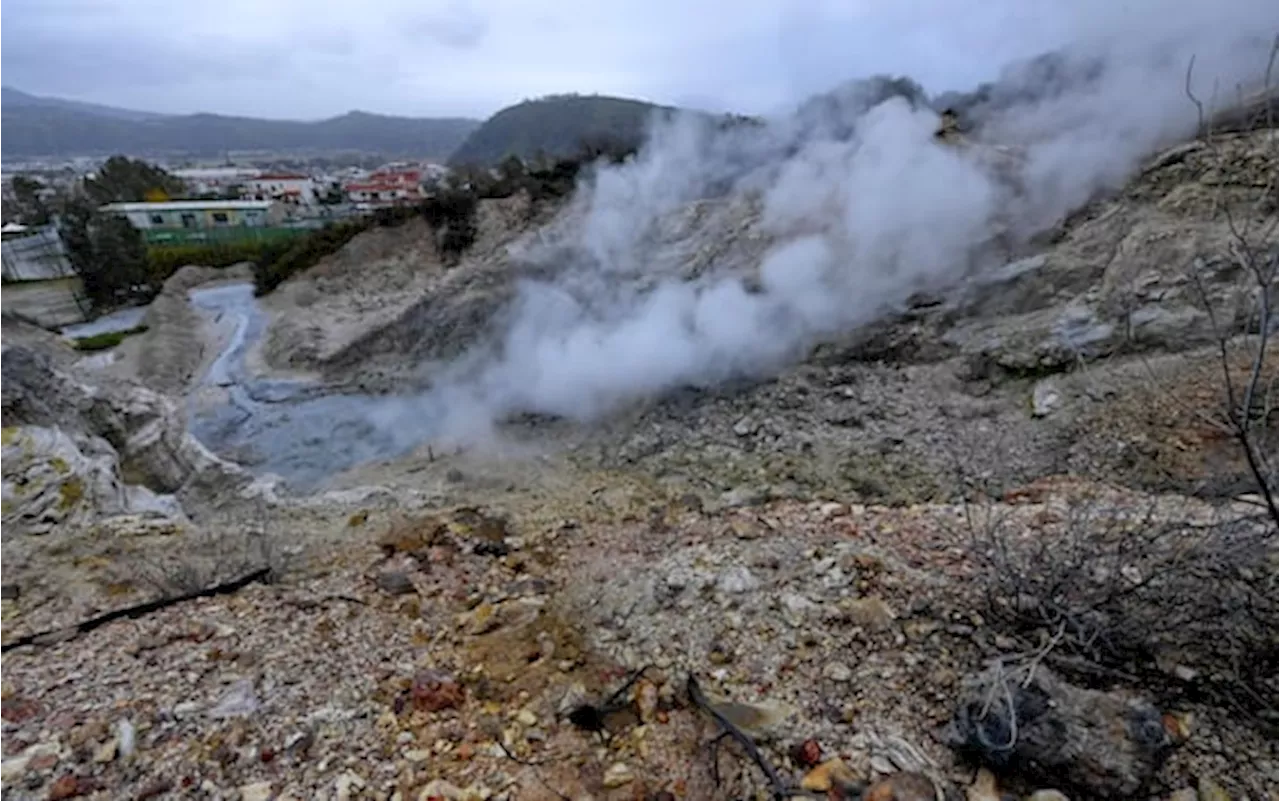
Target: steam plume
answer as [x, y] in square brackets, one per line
[860, 204]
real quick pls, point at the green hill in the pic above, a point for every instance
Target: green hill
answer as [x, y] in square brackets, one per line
[559, 126]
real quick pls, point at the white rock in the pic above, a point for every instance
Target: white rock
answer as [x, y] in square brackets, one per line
[617, 775]
[238, 701]
[1045, 397]
[439, 788]
[346, 784]
[737, 579]
[258, 791]
[13, 768]
[837, 671]
[128, 739]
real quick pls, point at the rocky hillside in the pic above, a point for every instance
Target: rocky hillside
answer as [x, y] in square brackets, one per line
[1003, 541]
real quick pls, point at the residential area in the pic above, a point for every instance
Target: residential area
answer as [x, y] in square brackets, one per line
[223, 205]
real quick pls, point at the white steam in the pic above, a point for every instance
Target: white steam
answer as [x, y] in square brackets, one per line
[861, 207]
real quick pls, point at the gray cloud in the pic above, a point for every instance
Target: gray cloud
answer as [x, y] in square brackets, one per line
[313, 58]
[457, 25]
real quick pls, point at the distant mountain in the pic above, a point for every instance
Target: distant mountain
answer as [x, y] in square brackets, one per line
[11, 98]
[37, 126]
[557, 126]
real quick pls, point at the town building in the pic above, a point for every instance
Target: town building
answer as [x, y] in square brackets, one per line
[294, 190]
[214, 180]
[386, 188]
[199, 220]
[196, 214]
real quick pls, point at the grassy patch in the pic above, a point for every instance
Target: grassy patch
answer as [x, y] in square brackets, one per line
[108, 340]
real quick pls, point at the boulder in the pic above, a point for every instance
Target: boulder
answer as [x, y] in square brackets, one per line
[1101, 744]
[78, 453]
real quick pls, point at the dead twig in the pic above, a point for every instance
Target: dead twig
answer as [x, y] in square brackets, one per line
[779, 789]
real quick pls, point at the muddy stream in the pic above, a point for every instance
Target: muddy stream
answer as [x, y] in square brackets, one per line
[299, 430]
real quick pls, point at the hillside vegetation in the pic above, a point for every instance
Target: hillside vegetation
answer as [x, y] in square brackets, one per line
[558, 126]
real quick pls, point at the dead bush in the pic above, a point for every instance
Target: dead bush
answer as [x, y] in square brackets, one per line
[1169, 590]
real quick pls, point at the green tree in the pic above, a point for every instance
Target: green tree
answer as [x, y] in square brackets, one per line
[109, 254]
[123, 180]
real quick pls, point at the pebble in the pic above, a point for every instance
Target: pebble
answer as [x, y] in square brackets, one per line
[837, 671]
[345, 785]
[1209, 790]
[258, 791]
[902, 787]
[737, 579]
[14, 767]
[395, 582]
[617, 775]
[1185, 794]
[832, 774]
[439, 788]
[417, 755]
[1048, 795]
[871, 613]
[526, 718]
[106, 752]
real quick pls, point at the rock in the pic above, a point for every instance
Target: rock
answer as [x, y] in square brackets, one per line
[1048, 795]
[238, 701]
[833, 774]
[837, 671]
[439, 788]
[1106, 744]
[807, 753]
[1045, 398]
[1209, 790]
[433, 690]
[737, 579]
[346, 784]
[754, 719]
[65, 787]
[526, 717]
[902, 787]
[1185, 794]
[395, 582]
[646, 700]
[127, 736]
[745, 427]
[796, 607]
[983, 787]
[106, 752]
[14, 768]
[871, 613]
[616, 775]
[258, 791]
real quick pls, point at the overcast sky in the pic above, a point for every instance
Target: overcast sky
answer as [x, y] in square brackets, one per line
[316, 58]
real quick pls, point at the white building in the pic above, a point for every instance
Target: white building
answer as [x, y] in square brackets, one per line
[205, 180]
[297, 190]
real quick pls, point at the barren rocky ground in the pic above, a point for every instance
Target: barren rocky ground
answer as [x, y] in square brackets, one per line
[815, 548]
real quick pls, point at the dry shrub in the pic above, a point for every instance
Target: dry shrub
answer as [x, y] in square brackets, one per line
[1173, 591]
